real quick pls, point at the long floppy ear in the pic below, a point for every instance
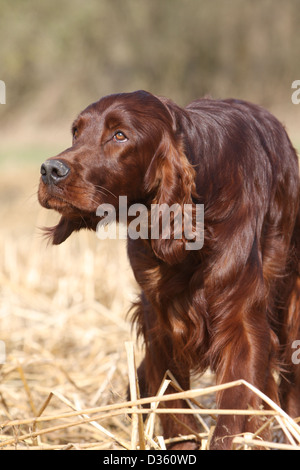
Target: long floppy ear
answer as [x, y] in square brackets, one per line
[60, 232]
[171, 180]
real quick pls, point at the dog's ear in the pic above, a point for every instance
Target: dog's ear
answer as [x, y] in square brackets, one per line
[60, 232]
[171, 180]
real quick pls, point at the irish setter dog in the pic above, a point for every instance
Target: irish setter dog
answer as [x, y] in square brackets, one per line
[234, 304]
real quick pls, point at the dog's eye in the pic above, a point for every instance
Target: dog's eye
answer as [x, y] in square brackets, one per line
[75, 132]
[120, 137]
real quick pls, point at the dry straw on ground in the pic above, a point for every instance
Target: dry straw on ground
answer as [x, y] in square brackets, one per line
[69, 347]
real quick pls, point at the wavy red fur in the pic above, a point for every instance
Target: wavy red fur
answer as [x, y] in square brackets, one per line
[234, 305]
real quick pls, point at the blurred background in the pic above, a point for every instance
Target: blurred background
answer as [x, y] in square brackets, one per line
[62, 309]
[56, 57]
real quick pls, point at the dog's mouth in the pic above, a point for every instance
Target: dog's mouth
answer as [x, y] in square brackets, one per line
[61, 206]
[52, 197]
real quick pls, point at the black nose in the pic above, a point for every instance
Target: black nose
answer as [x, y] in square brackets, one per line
[53, 171]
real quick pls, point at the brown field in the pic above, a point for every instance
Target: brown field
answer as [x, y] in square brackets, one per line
[69, 350]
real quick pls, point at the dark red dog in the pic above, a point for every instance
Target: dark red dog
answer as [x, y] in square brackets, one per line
[233, 305]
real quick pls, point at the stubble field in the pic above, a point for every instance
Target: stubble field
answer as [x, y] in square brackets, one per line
[70, 350]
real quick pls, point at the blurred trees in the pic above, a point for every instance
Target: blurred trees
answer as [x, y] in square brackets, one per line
[61, 55]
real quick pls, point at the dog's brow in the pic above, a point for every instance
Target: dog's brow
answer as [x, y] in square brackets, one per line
[113, 121]
[77, 124]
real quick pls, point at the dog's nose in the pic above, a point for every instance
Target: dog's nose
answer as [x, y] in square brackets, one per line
[54, 171]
